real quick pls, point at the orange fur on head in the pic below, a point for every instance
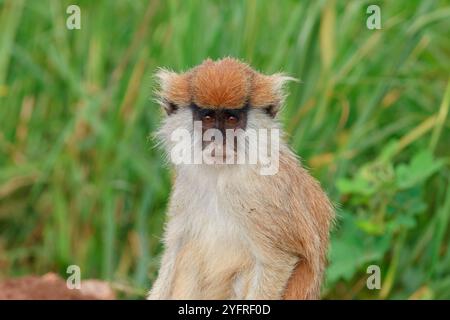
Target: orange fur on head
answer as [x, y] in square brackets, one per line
[226, 83]
[174, 88]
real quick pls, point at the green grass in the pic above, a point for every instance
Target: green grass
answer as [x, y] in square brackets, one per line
[81, 183]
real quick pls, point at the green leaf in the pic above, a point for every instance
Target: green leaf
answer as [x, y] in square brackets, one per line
[422, 166]
[370, 227]
[358, 185]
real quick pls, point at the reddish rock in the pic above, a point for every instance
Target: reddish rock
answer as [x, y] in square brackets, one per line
[53, 287]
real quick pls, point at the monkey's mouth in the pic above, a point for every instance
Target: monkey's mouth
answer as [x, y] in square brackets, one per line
[219, 153]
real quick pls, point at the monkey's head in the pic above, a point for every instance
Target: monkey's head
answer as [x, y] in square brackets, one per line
[220, 95]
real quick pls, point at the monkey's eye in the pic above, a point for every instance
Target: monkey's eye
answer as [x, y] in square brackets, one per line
[208, 118]
[231, 120]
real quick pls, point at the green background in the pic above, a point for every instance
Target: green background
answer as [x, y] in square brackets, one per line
[82, 183]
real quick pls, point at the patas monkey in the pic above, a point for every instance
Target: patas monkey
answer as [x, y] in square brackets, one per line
[232, 232]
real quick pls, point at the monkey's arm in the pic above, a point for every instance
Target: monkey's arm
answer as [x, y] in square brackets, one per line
[163, 285]
[288, 274]
[269, 278]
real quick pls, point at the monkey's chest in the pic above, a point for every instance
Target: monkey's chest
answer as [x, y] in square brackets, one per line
[214, 256]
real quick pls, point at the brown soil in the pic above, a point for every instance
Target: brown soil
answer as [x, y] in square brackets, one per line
[53, 287]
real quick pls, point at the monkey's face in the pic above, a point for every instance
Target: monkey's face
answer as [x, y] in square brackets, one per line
[220, 99]
[221, 122]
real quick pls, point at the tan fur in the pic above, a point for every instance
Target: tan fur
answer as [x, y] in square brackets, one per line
[233, 233]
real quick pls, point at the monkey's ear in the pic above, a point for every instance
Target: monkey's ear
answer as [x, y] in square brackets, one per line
[173, 90]
[268, 91]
